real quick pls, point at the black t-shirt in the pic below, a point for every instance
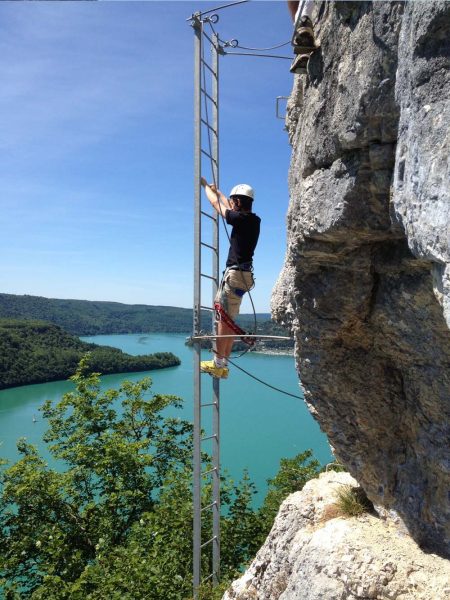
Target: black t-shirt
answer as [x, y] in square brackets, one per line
[244, 236]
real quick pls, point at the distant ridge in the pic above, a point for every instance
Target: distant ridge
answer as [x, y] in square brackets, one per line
[87, 317]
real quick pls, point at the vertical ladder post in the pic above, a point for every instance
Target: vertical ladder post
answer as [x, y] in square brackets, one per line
[215, 271]
[198, 30]
[202, 96]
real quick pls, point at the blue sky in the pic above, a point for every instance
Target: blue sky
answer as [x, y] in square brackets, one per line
[96, 146]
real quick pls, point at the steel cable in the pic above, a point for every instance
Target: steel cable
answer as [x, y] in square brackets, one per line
[234, 43]
[264, 382]
[261, 49]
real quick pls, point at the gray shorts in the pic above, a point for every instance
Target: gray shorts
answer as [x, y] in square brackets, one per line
[233, 279]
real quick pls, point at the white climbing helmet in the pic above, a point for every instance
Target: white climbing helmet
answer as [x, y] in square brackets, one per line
[242, 189]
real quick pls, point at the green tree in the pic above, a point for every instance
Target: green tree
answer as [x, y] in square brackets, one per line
[117, 521]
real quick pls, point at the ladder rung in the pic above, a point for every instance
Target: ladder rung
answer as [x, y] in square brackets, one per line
[208, 506]
[207, 308]
[207, 215]
[209, 404]
[208, 67]
[209, 471]
[208, 38]
[208, 155]
[208, 542]
[210, 576]
[209, 437]
[208, 246]
[208, 276]
[209, 126]
[208, 96]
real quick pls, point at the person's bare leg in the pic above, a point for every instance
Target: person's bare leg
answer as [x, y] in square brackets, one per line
[224, 345]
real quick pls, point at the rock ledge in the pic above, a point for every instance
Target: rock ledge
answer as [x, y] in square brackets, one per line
[310, 556]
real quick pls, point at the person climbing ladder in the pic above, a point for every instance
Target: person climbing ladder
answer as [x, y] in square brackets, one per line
[303, 39]
[238, 276]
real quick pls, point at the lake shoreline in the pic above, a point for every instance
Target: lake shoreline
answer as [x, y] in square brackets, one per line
[284, 421]
[275, 352]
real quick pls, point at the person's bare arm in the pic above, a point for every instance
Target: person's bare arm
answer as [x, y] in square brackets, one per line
[218, 200]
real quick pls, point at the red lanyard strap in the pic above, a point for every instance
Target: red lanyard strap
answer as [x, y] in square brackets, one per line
[222, 315]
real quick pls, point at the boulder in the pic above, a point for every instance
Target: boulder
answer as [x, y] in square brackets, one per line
[313, 553]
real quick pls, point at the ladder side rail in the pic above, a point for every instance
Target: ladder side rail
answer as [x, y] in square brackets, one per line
[197, 523]
[215, 271]
[201, 94]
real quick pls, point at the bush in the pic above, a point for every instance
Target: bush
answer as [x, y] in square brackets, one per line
[352, 501]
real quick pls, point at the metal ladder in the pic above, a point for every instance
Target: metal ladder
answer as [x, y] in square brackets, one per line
[206, 535]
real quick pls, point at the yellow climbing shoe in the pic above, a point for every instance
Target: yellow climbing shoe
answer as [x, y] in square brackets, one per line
[210, 367]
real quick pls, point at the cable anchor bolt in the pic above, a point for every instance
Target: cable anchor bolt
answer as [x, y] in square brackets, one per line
[212, 19]
[231, 44]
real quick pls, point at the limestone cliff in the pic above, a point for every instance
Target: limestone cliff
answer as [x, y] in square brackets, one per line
[366, 282]
[314, 554]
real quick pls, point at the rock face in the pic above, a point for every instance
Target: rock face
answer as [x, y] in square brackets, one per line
[310, 556]
[366, 282]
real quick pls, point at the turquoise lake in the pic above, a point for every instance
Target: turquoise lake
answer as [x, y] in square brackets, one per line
[259, 426]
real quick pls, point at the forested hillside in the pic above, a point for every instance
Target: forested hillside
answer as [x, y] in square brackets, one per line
[35, 351]
[84, 317]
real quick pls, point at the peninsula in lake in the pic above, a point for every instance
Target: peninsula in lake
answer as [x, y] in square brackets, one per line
[37, 352]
